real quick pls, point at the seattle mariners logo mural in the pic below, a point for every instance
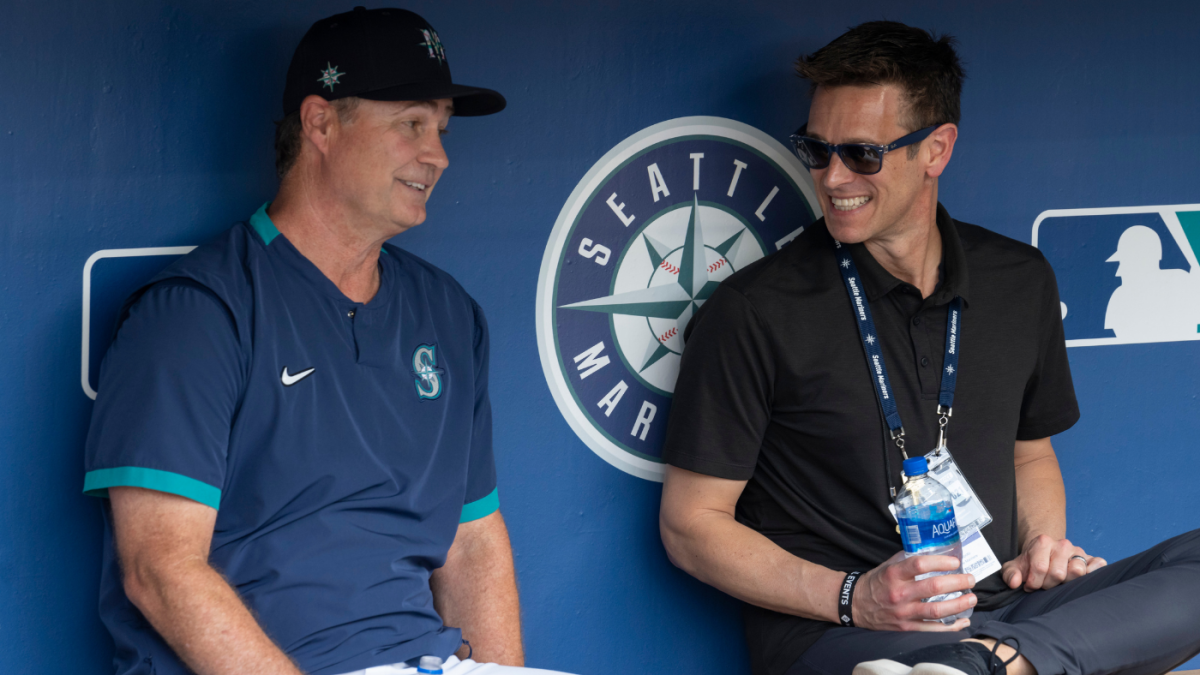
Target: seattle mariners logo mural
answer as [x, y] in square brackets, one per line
[646, 237]
[1125, 275]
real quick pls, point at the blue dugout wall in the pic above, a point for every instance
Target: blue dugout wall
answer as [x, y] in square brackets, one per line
[148, 124]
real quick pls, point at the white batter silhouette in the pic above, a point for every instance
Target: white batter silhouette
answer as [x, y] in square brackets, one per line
[1151, 304]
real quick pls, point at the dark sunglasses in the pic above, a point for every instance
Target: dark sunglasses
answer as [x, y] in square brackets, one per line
[861, 158]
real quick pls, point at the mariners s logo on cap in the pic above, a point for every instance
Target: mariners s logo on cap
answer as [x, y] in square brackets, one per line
[433, 44]
[644, 240]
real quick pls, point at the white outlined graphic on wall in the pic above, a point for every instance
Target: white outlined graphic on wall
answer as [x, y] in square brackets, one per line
[647, 235]
[1125, 275]
[104, 291]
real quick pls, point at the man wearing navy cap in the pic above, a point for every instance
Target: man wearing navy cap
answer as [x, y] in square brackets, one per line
[293, 423]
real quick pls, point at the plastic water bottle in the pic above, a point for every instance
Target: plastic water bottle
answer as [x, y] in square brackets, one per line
[925, 510]
[430, 664]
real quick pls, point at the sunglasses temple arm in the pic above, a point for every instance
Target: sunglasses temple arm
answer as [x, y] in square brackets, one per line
[914, 137]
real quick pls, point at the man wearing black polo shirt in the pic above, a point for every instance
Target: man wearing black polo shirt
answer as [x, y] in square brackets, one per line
[783, 459]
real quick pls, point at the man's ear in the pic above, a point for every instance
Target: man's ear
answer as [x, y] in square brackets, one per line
[318, 122]
[937, 149]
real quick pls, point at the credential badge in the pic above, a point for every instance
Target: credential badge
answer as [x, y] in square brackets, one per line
[643, 241]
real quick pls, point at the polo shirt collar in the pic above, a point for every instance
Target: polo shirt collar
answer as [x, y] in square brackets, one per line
[261, 223]
[878, 282]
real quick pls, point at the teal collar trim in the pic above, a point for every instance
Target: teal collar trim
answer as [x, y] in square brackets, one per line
[262, 224]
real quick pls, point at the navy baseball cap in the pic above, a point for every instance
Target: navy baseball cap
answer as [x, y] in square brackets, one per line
[381, 55]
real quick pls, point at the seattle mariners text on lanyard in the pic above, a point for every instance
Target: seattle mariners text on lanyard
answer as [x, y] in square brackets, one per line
[874, 352]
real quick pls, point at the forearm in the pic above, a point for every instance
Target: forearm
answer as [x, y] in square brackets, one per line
[1041, 499]
[476, 591]
[723, 553]
[163, 541]
[202, 618]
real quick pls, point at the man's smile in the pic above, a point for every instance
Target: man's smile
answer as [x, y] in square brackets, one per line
[849, 203]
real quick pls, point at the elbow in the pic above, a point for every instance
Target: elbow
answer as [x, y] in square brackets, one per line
[667, 543]
[674, 543]
[692, 517]
[148, 580]
[135, 581]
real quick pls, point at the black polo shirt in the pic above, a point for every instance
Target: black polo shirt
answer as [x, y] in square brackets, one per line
[774, 389]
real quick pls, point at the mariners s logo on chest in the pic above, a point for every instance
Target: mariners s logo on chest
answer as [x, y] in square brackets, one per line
[642, 243]
[428, 375]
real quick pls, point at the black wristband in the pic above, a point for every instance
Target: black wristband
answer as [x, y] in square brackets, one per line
[846, 598]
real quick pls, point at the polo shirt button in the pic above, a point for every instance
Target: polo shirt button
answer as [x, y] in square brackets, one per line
[350, 314]
[916, 321]
[924, 361]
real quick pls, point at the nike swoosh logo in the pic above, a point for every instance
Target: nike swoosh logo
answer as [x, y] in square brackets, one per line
[289, 380]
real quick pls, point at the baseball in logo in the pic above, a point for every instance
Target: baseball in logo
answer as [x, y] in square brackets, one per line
[648, 234]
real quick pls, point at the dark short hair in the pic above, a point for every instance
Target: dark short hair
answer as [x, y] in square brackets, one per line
[287, 133]
[886, 52]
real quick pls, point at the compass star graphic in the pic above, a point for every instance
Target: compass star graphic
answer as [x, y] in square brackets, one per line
[677, 301]
[949, 370]
[330, 76]
[846, 262]
[870, 339]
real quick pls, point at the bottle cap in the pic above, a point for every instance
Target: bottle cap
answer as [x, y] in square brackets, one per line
[915, 466]
[430, 664]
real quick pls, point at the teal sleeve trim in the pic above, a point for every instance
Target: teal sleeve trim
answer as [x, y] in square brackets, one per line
[96, 484]
[481, 507]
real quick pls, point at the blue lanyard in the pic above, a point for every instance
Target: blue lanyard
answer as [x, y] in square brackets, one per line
[874, 353]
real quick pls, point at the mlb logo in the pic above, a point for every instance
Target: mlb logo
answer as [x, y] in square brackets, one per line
[1125, 275]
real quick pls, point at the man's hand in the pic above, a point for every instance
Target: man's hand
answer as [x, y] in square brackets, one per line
[1046, 563]
[889, 597]
[1046, 558]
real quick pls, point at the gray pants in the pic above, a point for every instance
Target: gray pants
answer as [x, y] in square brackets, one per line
[1138, 616]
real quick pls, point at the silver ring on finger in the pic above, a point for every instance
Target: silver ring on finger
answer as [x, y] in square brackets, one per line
[1081, 558]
